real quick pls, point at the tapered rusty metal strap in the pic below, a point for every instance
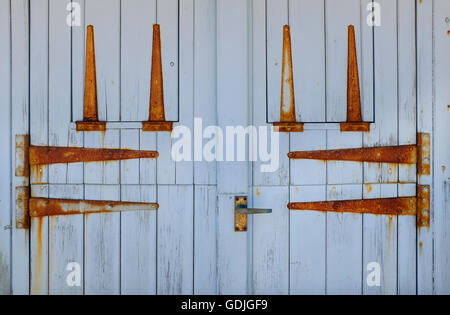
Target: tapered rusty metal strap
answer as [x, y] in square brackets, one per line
[90, 79]
[406, 154]
[383, 206]
[287, 110]
[52, 155]
[42, 207]
[156, 88]
[353, 91]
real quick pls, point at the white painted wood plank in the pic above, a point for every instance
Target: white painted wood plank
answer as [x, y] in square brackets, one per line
[175, 240]
[185, 169]
[442, 148]
[102, 244]
[205, 84]
[277, 16]
[366, 59]
[338, 15]
[307, 243]
[280, 174]
[407, 135]
[5, 142]
[102, 231]
[232, 250]
[205, 240]
[380, 232]
[344, 244]
[65, 243]
[138, 229]
[271, 241]
[306, 19]
[137, 19]
[39, 128]
[167, 17]
[78, 65]
[232, 86]
[425, 102]
[104, 15]
[138, 242]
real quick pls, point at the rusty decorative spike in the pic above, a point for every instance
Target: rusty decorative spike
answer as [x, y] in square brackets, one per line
[42, 207]
[423, 206]
[383, 206]
[52, 155]
[156, 120]
[287, 111]
[354, 117]
[90, 115]
[406, 154]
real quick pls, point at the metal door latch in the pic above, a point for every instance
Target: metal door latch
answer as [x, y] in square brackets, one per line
[241, 211]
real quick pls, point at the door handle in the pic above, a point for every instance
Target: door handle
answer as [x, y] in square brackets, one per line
[241, 211]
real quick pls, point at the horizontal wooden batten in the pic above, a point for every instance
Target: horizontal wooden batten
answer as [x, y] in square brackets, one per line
[42, 207]
[51, 155]
[406, 154]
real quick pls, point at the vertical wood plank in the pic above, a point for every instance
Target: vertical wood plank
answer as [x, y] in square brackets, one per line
[407, 135]
[39, 127]
[277, 16]
[102, 231]
[205, 240]
[232, 86]
[5, 142]
[441, 181]
[279, 176]
[425, 103]
[205, 83]
[185, 169]
[271, 241]
[307, 243]
[137, 18]
[175, 240]
[167, 17]
[308, 57]
[380, 232]
[232, 250]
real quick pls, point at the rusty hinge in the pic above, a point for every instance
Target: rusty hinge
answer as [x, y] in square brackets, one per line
[27, 156]
[404, 154]
[417, 205]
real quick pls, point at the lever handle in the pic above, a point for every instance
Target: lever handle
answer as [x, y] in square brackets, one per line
[242, 209]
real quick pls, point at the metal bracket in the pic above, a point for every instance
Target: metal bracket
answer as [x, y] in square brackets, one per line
[22, 217]
[241, 211]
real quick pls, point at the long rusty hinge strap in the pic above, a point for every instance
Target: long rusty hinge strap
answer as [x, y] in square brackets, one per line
[384, 206]
[42, 207]
[396, 154]
[90, 80]
[287, 110]
[156, 88]
[51, 155]
[353, 91]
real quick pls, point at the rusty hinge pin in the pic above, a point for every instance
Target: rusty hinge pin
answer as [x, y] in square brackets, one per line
[51, 155]
[406, 154]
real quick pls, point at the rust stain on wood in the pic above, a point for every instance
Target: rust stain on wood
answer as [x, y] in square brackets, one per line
[287, 109]
[382, 206]
[423, 206]
[424, 158]
[21, 155]
[52, 155]
[397, 154]
[41, 207]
